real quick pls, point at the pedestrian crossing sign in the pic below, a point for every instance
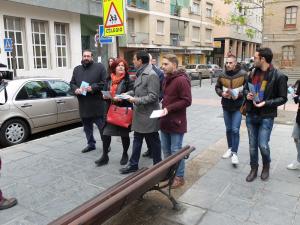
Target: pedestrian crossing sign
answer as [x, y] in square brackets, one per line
[113, 15]
[8, 47]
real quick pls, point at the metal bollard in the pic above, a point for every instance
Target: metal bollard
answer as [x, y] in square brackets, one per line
[200, 79]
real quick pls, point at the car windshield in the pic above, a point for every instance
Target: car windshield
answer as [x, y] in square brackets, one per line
[190, 67]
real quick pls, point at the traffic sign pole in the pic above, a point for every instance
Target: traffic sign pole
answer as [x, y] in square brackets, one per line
[14, 60]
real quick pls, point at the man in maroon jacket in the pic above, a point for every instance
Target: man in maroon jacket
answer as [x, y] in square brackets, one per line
[177, 97]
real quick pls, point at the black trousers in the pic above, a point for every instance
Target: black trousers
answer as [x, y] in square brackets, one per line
[88, 129]
[154, 145]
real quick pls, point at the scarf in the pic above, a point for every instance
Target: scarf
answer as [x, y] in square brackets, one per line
[259, 81]
[115, 81]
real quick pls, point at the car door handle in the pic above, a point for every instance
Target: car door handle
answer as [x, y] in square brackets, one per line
[60, 101]
[26, 105]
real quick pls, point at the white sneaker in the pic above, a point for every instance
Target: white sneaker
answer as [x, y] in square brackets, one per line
[294, 166]
[234, 159]
[227, 154]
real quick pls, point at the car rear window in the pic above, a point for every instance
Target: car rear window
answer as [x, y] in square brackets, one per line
[190, 67]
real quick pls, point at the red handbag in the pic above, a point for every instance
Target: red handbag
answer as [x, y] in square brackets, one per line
[119, 116]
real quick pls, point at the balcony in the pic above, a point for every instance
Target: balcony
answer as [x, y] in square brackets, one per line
[175, 10]
[138, 38]
[139, 4]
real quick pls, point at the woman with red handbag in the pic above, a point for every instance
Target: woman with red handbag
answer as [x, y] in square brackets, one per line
[118, 82]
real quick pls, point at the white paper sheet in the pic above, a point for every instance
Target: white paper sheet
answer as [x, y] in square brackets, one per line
[157, 113]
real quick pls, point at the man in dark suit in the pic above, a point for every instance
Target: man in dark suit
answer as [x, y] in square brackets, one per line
[87, 82]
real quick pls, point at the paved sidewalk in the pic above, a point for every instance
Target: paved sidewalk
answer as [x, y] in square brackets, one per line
[50, 176]
[222, 196]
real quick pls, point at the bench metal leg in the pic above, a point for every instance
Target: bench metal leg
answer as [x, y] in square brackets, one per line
[168, 195]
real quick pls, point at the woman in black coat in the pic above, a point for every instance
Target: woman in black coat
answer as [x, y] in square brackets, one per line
[117, 83]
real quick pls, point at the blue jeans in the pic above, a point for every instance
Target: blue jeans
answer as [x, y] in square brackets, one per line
[88, 129]
[232, 121]
[259, 132]
[153, 144]
[171, 143]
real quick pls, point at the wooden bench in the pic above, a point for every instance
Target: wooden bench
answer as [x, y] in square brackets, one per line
[114, 199]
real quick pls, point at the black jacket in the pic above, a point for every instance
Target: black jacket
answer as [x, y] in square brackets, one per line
[91, 105]
[274, 96]
[232, 80]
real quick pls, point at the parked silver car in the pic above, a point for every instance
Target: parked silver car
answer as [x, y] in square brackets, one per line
[195, 71]
[33, 105]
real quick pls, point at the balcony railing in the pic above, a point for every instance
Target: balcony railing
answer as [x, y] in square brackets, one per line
[175, 10]
[139, 4]
[134, 38]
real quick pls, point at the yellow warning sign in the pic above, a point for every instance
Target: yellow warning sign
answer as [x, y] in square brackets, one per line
[113, 17]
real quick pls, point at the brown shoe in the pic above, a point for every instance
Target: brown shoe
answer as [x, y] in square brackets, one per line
[253, 173]
[177, 182]
[8, 203]
[265, 171]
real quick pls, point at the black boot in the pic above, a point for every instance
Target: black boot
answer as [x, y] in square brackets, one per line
[104, 158]
[253, 173]
[124, 159]
[265, 171]
[102, 161]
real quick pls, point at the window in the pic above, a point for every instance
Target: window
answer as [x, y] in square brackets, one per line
[130, 25]
[160, 27]
[290, 16]
[34, 90]
[61, 36]
[288, 53]
[162, 1]
[195, 8]
[186, 60]
[196, 34]
[208, 33]
[39, 43]
[14, 29]
[197, 59]
[209, 8]
[60, 88]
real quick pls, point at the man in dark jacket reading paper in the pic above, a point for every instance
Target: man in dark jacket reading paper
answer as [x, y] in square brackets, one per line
[87, 82]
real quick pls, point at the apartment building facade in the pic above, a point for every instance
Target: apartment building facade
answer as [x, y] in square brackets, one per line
[182, 27]
[231, 38]
[49, 35]
[282, 32]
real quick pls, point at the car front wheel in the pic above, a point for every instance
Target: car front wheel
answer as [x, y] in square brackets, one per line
[13, 132]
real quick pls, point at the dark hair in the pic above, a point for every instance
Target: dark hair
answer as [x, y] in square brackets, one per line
[297, 87]
[110, 59]
[266, 53]
[172, 58]
[88, 50]
[142, 55]
[230, 55]
[116, 63]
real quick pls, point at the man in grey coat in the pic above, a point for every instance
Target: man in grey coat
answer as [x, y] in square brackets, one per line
[87, 82]
[145, 97]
